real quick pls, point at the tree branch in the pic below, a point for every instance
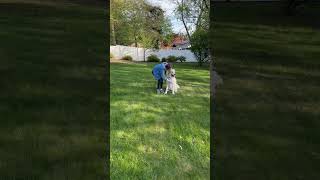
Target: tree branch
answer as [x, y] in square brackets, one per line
[184, 23]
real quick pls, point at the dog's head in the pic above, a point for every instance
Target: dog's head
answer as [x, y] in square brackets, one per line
[172, 73]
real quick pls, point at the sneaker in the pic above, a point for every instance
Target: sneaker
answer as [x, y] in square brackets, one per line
[161, 91]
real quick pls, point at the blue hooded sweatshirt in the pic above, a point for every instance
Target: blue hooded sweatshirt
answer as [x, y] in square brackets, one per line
[159, 71]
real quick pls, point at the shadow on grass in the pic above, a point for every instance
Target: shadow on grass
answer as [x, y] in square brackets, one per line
[151, 134]
[267, 109]
[52, 91]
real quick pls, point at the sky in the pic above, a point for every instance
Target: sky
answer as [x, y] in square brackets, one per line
[168, 6]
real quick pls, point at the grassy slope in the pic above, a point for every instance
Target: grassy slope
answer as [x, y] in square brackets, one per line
[267, 121]
[147, 129]
[52, 94]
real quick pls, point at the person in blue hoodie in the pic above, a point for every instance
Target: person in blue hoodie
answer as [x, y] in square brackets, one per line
[159, 73]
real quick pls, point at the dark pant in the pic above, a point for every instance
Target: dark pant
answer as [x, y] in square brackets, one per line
[160, 83]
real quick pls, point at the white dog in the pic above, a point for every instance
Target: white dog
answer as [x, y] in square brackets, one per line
[172, 82]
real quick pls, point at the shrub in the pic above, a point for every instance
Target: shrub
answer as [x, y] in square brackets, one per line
[181, 59]
[200, 45]
[111, 56]
[128, 58]
[153, 58]
[172, 59]
[163, 59]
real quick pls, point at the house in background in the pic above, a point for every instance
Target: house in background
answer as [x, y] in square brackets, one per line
[179, 42]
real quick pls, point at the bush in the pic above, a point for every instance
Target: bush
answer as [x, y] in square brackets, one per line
[181, 59]
[163, 59]
[153, 58]
[200, 45]
[172, 59]
[111, 56]
[128, 58]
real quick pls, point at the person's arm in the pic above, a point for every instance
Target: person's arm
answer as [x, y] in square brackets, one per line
[163, 75]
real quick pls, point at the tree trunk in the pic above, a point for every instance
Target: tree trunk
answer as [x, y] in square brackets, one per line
[114, 41]
[184, 23]
[135, 39]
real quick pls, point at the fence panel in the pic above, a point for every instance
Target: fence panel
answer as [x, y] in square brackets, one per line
[138, 53]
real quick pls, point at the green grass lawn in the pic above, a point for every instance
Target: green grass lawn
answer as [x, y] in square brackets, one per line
[267, 116]
[159, 136]
[52, 90]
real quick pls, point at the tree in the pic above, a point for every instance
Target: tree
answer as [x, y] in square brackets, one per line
[155, 21]
[194, 14]
[137, 22]
[200, 45]
[113, 18]
[119, 23]
[166, 32]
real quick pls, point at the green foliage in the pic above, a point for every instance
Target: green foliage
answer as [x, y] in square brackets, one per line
[181, 58]
[137, 22]
[163, 59]
[166, 32]
[111, 56]
[172, 59]
[194, 14]
[200, 45]
[153, 58]
[127, 57]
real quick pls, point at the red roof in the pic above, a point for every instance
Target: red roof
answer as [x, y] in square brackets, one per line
[177, 39]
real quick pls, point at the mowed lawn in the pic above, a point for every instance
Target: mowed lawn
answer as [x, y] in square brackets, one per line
[267, 118]
[52, 90]
[159, 136]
